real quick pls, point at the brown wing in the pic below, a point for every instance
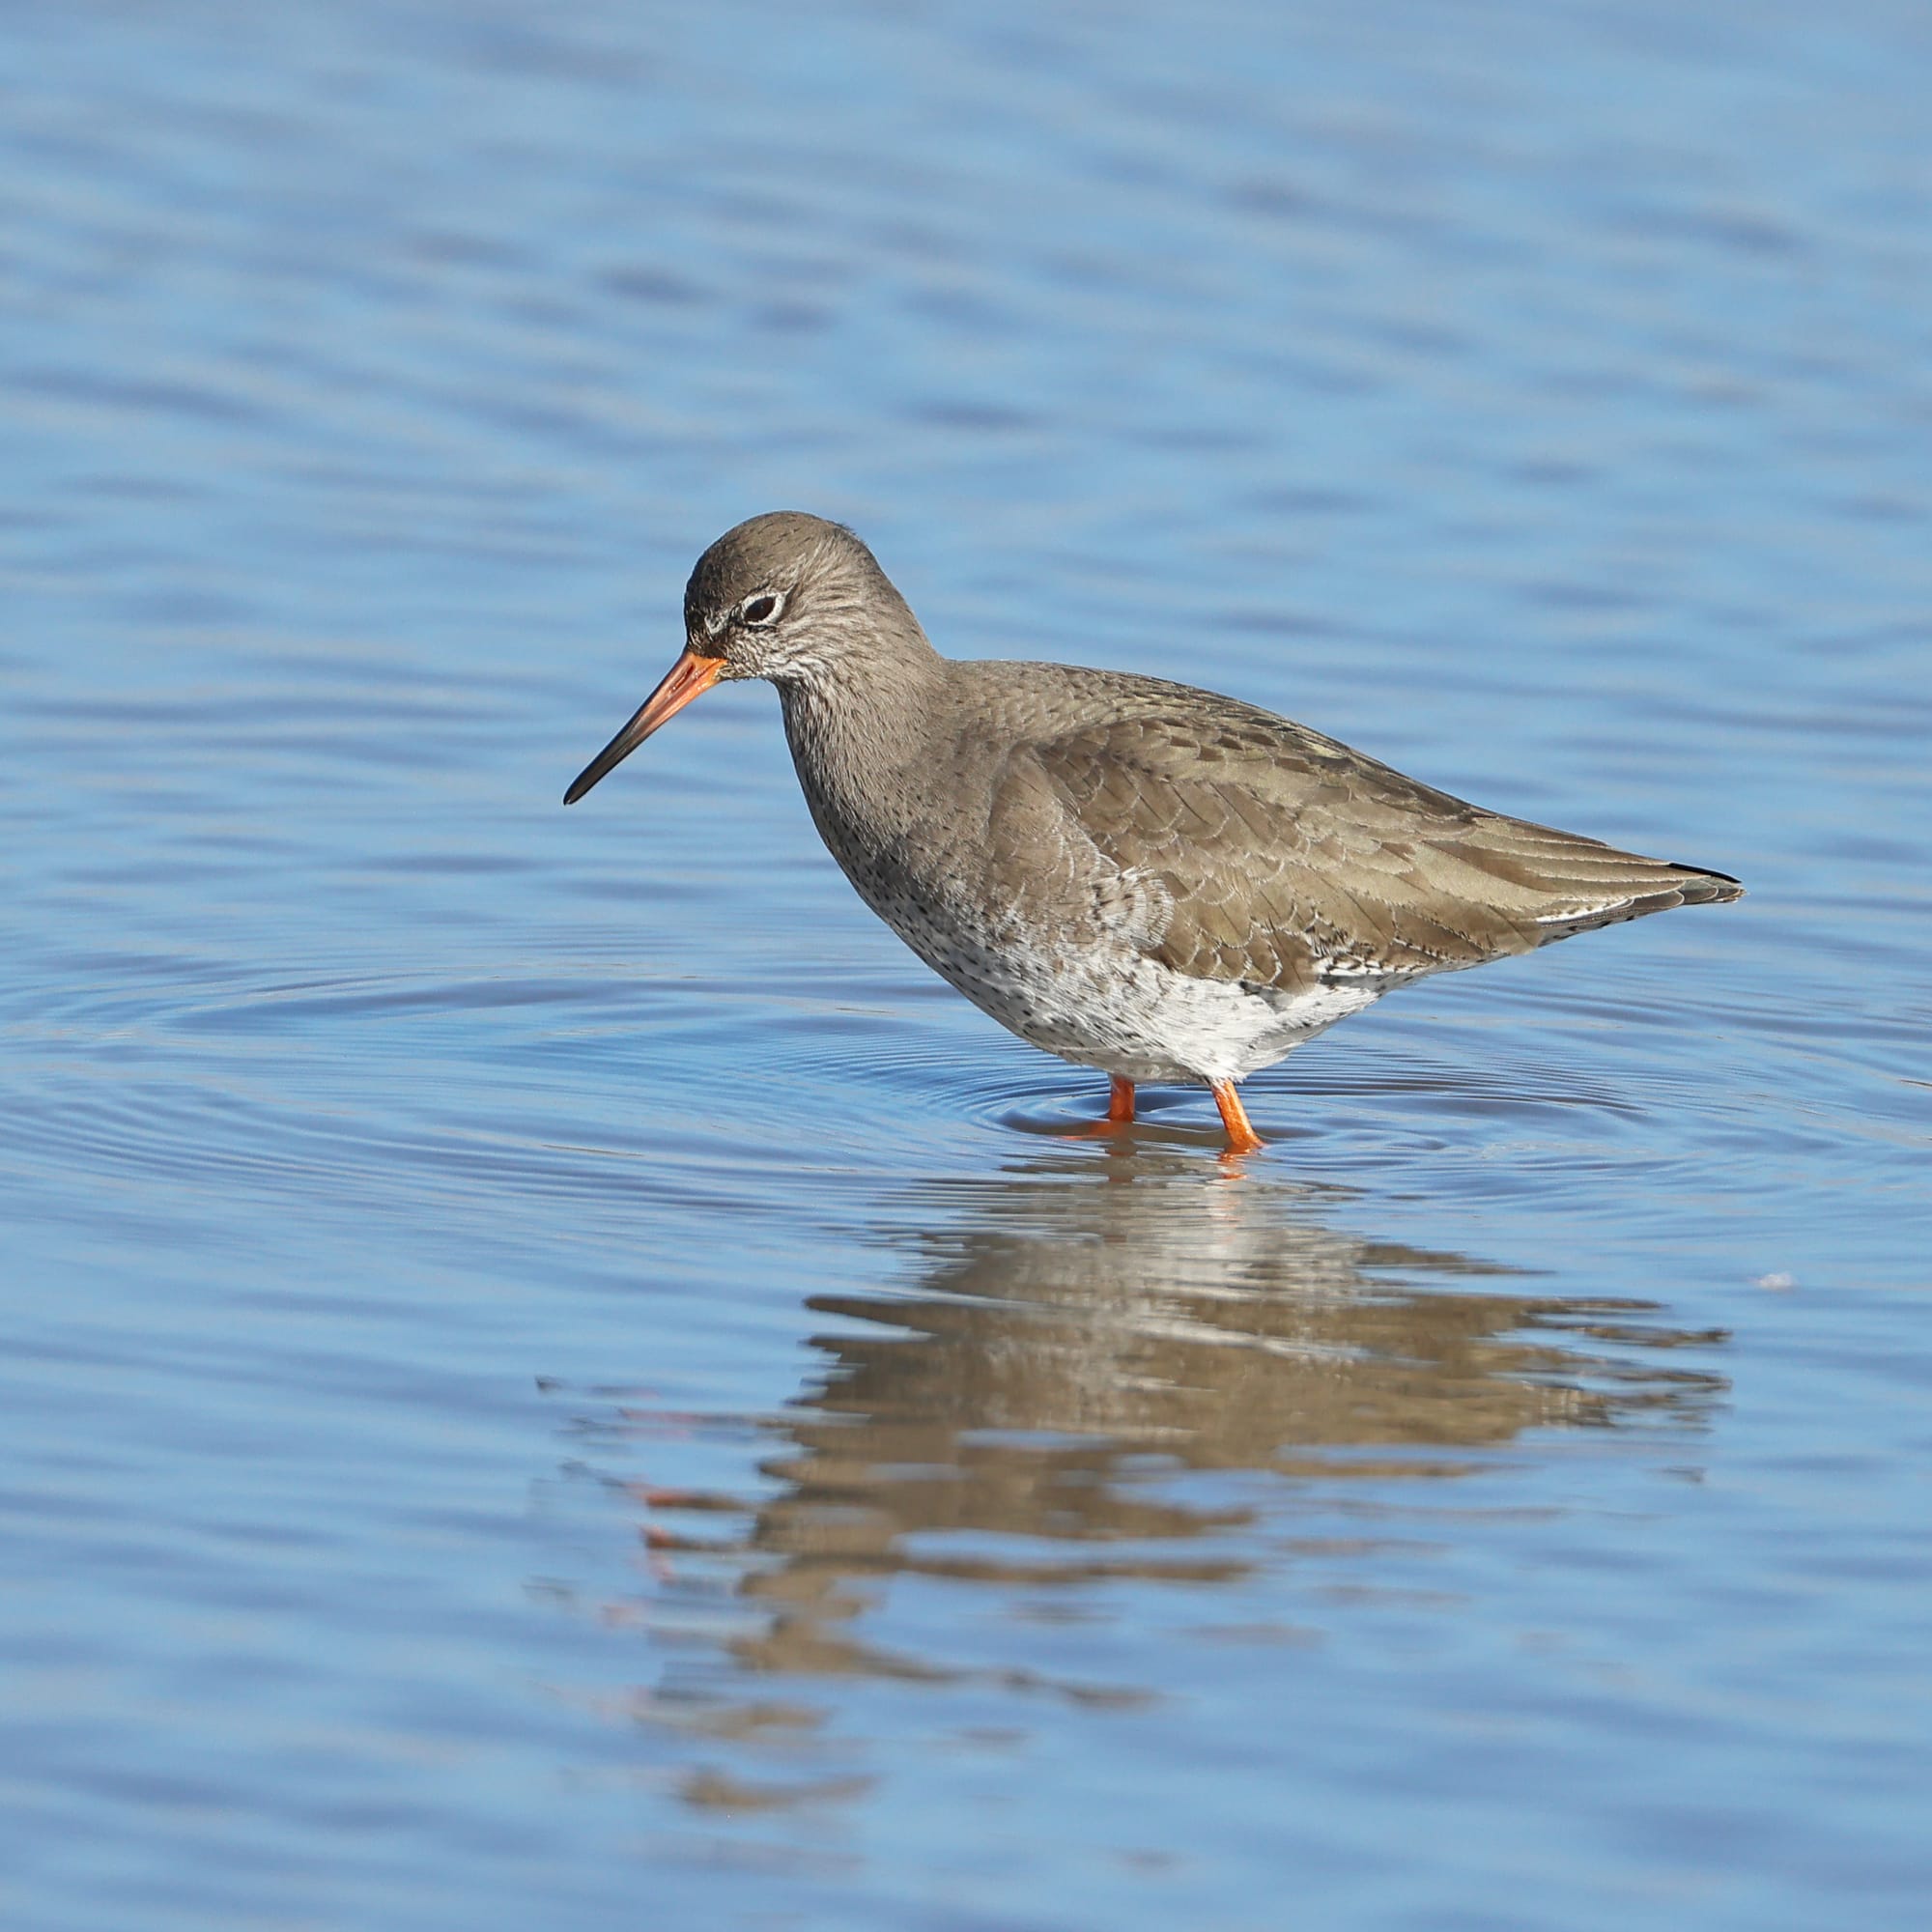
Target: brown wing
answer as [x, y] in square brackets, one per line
[1285, 860]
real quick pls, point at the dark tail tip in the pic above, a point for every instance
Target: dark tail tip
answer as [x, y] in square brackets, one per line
[1719, 888]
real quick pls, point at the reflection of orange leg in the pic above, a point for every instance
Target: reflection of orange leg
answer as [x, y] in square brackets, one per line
[1119, 1111]
[1241, 1137]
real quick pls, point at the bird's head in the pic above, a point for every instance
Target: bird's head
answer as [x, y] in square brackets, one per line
[786, 596]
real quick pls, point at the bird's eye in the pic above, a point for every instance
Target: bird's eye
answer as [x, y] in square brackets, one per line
[763, 608]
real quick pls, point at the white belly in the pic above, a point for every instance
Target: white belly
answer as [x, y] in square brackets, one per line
[1130, 1016]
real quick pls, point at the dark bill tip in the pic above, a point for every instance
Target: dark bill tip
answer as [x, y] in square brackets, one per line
[689, 677]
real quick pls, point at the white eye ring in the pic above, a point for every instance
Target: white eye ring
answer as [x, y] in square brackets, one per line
[754, 613]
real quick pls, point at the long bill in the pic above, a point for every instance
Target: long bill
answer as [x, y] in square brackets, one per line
[691, 676]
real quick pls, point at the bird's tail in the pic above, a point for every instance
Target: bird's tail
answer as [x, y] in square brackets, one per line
[1577, 884]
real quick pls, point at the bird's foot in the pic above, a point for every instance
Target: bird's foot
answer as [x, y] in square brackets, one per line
[1241, 1137]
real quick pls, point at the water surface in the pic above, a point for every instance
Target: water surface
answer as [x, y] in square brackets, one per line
[554, 1374]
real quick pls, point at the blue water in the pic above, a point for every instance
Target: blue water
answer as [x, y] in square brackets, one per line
[554, 1377]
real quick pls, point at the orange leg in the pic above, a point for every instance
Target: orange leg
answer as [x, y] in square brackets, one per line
[1119, 1112]
[1241, 1137]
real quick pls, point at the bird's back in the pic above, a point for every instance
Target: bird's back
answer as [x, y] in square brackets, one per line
[1264, 853]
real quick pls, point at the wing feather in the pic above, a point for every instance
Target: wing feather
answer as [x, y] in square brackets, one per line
[1233, 845]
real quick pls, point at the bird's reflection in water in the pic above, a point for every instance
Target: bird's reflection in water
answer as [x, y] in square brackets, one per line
[1089, 1387]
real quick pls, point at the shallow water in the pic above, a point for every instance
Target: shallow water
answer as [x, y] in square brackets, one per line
[554, 1375]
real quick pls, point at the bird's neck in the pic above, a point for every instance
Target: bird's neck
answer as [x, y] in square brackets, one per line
[861, 731]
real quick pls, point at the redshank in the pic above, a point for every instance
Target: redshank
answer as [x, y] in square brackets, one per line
[1136, 875]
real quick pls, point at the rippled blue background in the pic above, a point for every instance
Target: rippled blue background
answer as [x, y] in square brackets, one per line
[553, 1375]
